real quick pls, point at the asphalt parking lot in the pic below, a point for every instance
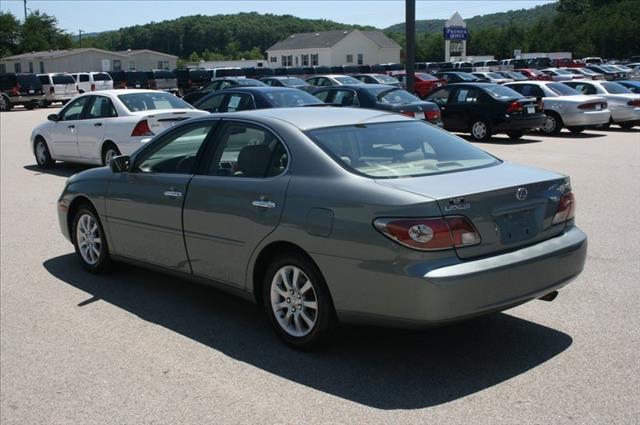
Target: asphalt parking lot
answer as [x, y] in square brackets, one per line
[135, 346]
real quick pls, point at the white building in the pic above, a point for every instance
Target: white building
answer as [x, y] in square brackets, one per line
[87, 59]
[334, 48]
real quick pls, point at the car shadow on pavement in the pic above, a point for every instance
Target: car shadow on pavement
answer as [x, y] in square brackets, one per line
[64, 169]
[377, 367]
[583, 135]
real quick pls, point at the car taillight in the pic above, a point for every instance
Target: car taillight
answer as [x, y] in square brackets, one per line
[123, 85]
[408, 113]
[566, 208]
[52, 90]
[635, 103]
[541, 105]
[593, 106]
[514, 106]
[432, 115]
[93, 87]
[142, 129]
[429, 234]
[15, 90]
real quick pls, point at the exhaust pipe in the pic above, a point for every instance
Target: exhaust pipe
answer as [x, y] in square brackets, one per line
[550, 296]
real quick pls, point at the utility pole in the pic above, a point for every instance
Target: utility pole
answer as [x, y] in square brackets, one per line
[80, 38]
[25, 10]
[410, 43]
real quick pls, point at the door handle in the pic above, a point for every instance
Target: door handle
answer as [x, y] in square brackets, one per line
[172, 194]
[98, 124]
[264, 204]
[71, 126]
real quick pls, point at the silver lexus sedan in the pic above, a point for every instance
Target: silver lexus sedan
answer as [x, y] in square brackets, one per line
[326, 215]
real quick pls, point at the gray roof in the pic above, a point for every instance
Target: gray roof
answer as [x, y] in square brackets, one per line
[324, 39]
[53, 53]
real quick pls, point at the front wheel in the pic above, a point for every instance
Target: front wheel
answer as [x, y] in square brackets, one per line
[43, 156]
[480, 130]
[109, 152]
[5, 104]
[627, 125]
[90, 242]
[515, 134]
[297, 301]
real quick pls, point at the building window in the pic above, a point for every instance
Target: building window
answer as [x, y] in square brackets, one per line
[360, 59]
[287, 60]
[305, 60]
[117, 65]
[3, 68]
[314, 59]
[349, 58]
[297, 60]
[30, 67]
[42, 67]
[163, 64]
[17, 67]
[132, 65]
[273, 59]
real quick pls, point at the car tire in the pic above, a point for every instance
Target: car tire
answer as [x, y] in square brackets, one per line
[552, 124]
[109, 150]
[606, 126]
[181, 92]
[576, 130]
[515, 134]
[627, 125]
[480, 130]
[89, 241]
[42, 154]
[5, 104]
[300, 312]
[31, 105]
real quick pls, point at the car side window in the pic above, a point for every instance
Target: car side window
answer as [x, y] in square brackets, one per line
[323, 95]
[466, 95]
[74, 110]
[269, 82]
[345, 98]
[212, 103]
[323, 82]
[84, 78]
[176, 153]
[247, 150]
[313, 81]
[239, 102]
[441, 97]
[102, 107]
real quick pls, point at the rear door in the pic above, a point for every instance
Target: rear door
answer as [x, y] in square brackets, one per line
[463, 104]
[235, 200]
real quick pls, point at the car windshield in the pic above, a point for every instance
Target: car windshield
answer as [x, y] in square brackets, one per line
[609, 68]
[502, 92]
[494, 75]
[347, 80]
[291, 98]
[385, 79]
[62, 79]
[562, 89]
[294, 82]
[615, 88]
[101, 77]
[466, 77]
[561, 71]
[394, 96]
[149, 101]
[516, 76]
[425, 77]
[399, 149]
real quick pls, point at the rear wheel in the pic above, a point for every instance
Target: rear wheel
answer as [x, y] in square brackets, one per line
[31, 105]
[480, 130]
[89, 241]
[576, 130]
[627, 125]
[552, 124]
[297, 301]
[515, 134]
[5, 104]
[109, 151]
[43, 156]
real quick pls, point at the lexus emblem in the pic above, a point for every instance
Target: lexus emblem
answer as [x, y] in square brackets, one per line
[522, 193]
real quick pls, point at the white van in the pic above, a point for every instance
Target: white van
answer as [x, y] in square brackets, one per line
[58, 87]
[93, 81]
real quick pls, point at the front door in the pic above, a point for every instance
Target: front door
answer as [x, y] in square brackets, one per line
[64, 140]
[90, 131]
[144, 205]
[235, 201]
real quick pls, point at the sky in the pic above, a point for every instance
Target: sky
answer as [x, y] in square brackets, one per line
[97, 15]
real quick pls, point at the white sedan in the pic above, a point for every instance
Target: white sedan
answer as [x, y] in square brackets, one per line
[94, 127]
[564, 106]
[561, 74]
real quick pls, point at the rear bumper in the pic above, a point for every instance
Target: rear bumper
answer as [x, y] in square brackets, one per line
[586, 118]
[22, 100]
[511, 122]
[63, 97]
[625, 113]
[471, 288]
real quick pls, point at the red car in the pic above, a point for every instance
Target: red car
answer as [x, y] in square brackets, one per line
[534, 74]
[424, 83]
[566, 63]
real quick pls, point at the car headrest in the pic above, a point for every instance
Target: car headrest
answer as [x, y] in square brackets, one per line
[253, 160]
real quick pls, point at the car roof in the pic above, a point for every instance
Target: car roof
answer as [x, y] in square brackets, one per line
[360, 87]
[308, 118]
[329, 75]
[257, 89]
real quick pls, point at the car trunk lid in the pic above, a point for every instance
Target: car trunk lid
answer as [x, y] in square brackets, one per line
[510, 205]
[160, 120]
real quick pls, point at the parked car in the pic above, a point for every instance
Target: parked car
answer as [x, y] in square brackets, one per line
[534, 74]
[515, 76]
[162, 79]
[460, 234]
[423, 83]
[561, 74]
[243, 98]
[566, 63]
[20, 89]
[96, 126]
[130, 80]
[585, 73]
[632, 85]
[58, 87]
[609, 72]
[331, 80]
[457, 77]
[486, 63]
[484, 109]
[623, 103]
[93, 81]
[564, 106]
[538, 63]
[378, 79]
[287, 81]
[219, 84]
[492, 77]
[591, 60]
[192, 79]
[383, 97]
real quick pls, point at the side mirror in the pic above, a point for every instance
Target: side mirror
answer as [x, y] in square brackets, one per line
[120, 164]
[53, 117]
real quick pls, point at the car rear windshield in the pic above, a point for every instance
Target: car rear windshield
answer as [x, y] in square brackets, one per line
[29, 80]
[399, 149]
[494, 75]
[151, 101]
[562, 89]
[163, 74]
[291, 98]
[425, 77]
[348, 80]
[562, 72]
[101, 77]
[294, 82]
[385, 79]
[249, 82]
[136, 76]
[394, 96]
[615, 88]
[502, 92]
[62, 79]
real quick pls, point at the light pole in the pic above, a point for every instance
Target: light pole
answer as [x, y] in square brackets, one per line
[410, 43]
[80, 38]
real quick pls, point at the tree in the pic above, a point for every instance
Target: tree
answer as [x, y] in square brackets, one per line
[9, 34]
[41, 32]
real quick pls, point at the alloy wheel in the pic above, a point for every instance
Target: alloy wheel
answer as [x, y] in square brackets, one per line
[550, 124]
[479, 130]
[89, 239]
[294, 301]
[109, 155]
